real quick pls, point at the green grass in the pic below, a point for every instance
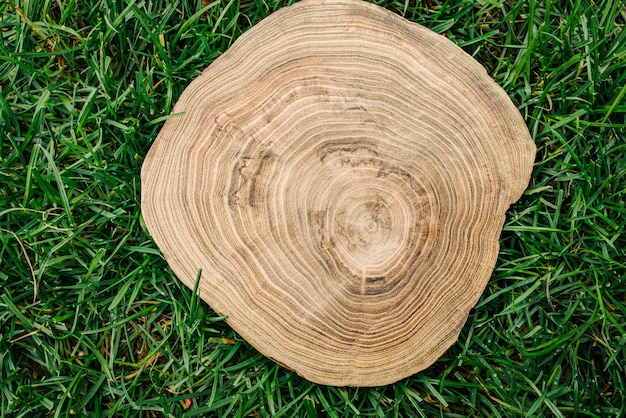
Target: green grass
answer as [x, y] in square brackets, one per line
[93, 322]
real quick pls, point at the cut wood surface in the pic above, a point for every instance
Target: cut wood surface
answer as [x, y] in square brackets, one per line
[340, 176]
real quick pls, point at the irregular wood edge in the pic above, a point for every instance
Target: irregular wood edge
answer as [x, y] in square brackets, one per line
[513, 165]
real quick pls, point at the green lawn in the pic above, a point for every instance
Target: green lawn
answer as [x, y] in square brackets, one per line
[93, 322]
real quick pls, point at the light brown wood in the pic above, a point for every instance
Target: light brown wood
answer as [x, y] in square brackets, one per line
[340, 176]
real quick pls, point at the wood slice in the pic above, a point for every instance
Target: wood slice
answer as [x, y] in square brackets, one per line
[340, 176]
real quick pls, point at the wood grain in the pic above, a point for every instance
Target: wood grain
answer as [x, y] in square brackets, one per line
[341, 177]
